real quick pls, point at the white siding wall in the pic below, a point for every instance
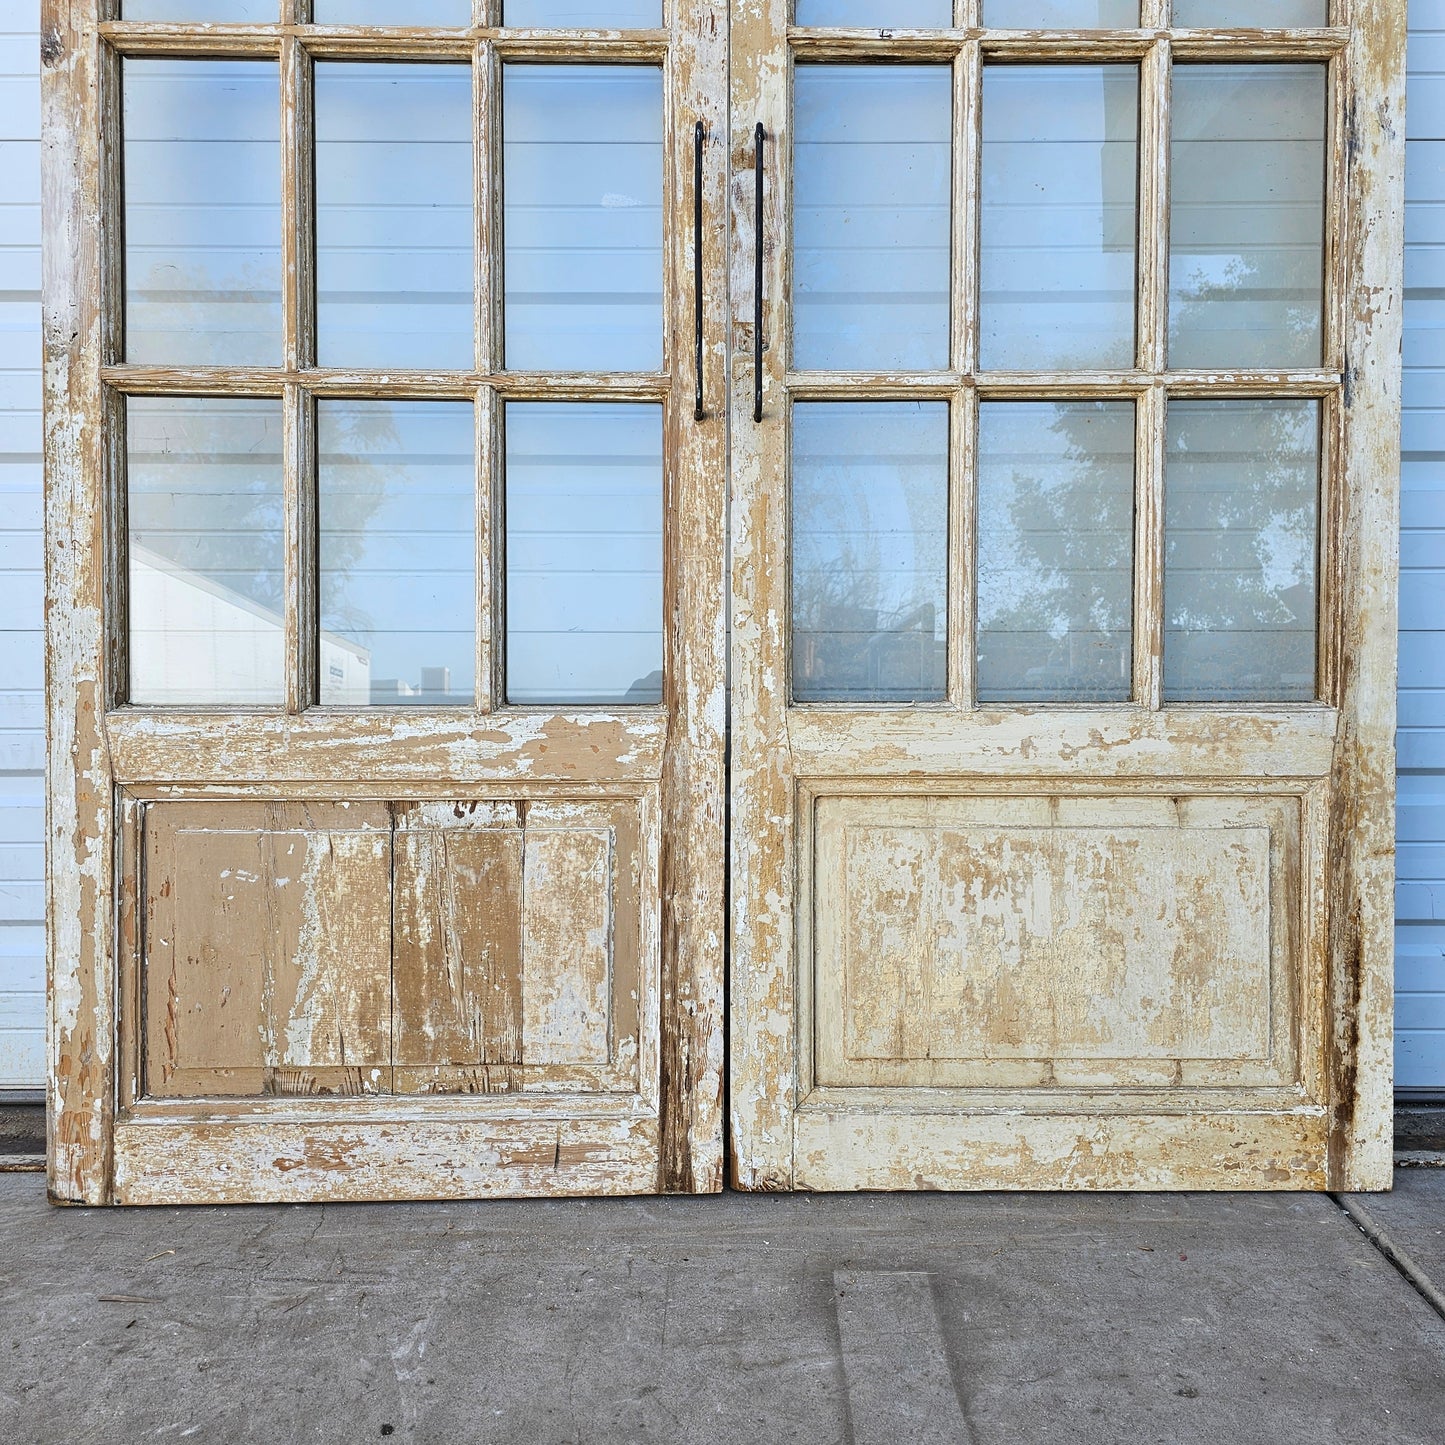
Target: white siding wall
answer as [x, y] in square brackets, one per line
[1421, 897]
[22, 948]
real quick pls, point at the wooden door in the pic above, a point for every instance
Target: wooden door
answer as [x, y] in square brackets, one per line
[1064, 552]
[386, 421]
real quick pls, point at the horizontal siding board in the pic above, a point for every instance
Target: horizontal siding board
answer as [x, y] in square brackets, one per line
[1420, 894]
[22, 748]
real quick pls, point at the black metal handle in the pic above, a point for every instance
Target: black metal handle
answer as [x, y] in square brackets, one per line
[700, 136]
[759, 136]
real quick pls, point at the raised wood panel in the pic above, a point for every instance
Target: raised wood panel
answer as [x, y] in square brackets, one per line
[268, 961]
[1045, 942]
[457, 909]
[435, 947]
[567, 932]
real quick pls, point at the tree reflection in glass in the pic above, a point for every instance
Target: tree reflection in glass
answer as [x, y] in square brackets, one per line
[870, 549]
[1055, 551]
[1241, 521]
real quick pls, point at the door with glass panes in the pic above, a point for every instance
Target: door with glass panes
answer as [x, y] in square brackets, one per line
[388, 443]
[434, 386]
[1064, 452]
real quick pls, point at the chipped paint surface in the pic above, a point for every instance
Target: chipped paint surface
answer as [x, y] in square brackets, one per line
[1305, 792]
[945, 992]
[528, 980]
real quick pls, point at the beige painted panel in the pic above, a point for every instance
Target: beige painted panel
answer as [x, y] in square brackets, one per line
[568, 932]
[1039, 942]
[267, 949]
[1086, 943]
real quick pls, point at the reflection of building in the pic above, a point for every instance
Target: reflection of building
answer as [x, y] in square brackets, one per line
[204, 642]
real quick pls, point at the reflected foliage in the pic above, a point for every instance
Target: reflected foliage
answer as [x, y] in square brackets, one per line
[1056, 549]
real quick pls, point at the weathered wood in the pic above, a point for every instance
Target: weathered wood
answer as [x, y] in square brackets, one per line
[275, 1160]
[1366, 565]
[795, 924]
[574, 934]
[80, 846]
[267, 949]
[457, 944]
[865, 1147]
[374, 747]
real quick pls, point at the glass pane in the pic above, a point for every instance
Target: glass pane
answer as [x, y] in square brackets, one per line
[582, 158]
[592, 14]
[892, 14]
[1246, 255]
[394, 242]
[870, 551]
[207, 589]
[873, 151]
[1241, 519]
[202, 212]
[397, 541]
[454, 13]
[1060, 187]
[1061, 14]
[253, 12]
[584, 553]
[1204, 13]
[1055, 551]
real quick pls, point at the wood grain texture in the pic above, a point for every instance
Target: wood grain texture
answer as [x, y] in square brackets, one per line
[80, 809]
[267, 948]
[1364, 573]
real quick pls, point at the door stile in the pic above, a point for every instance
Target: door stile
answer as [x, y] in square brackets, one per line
[693, 801]
[81, 590]
[1362, 814]
[762, 822]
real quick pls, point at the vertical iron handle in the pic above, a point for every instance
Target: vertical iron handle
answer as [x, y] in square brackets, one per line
[759, 136]
[699, 136]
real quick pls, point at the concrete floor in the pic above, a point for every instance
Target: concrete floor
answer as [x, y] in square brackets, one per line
[1226, 1319]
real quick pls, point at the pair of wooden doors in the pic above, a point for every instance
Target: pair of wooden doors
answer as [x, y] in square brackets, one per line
[835, 560]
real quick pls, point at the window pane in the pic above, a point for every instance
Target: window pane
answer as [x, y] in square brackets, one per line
[1060, 186]
[593, 14]
[1251, 12]
[1055, 551]
[879, 13]
[394, 243]
[1061, 14]
[584, 553]
[873, 151]
[870, 551]
[583, 184]
[392, 12]
[207, 600]
[397, 530]
[1241, 526]
[1246, 258]
[254, 12]
[202, 212]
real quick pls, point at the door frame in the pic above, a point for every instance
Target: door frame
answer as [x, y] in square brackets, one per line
[1337, 760]
[107, 763]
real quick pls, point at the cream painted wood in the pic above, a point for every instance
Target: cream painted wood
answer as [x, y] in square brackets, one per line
[941, 913]
[314, 952]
